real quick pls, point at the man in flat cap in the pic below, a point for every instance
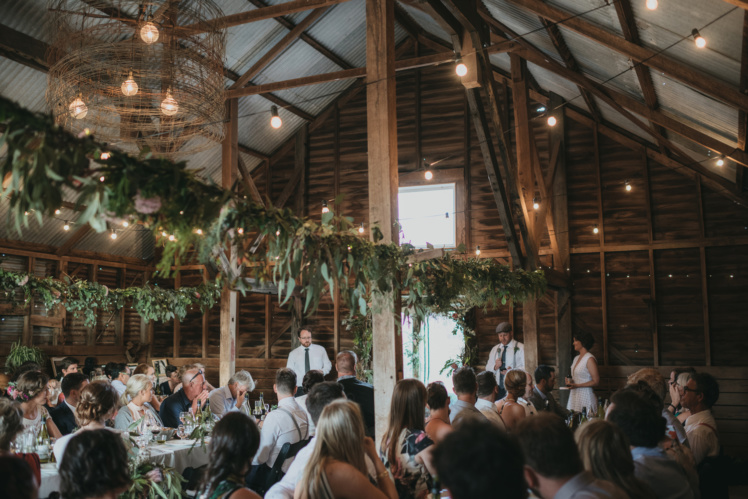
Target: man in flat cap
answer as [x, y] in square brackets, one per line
[508, 354]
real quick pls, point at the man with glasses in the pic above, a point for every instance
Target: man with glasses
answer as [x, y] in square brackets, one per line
[186, 399]
[699, 395]
[307, 357]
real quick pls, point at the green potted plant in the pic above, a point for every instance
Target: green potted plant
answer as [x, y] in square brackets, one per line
[20, 353]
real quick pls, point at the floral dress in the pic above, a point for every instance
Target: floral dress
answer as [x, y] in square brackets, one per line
[412, 481]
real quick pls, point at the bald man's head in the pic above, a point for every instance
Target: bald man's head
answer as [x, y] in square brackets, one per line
[345, 363]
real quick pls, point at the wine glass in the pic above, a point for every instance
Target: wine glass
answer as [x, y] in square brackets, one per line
[267, 408]
[184, 417]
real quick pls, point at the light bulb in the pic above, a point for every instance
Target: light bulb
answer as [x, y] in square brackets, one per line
[277, 233]
[628, 186]
[699, 40]
[240, 231]
[172, 238]
[125, 223]
[169, 105]
[106, 155]
[129, 87]
[460, 68]
[428, 175]
[477, 251]
[275, 120]
[164, 233]
[535, 204]
[149, 33]
[66, 226]
[78, 108]
[541, 109]
[721, 161]
[113, 235]
[361, 228]
[199, 232]
[595, 230]
[652, 4]
[57, 211]
[551, 121]
[325, 209]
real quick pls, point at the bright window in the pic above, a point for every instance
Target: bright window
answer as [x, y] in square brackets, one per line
[427, 215]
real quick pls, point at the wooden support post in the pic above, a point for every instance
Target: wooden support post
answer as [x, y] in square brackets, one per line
[206, 322]
[530, 333]
[268, 324]
[302, 164]
[652, 279]
[93, 276]
[28, 329]
[467, 176]
[177, 324]
[383, 187]
[336, 320]
[557, 187]
[119, 318]
[601, 238]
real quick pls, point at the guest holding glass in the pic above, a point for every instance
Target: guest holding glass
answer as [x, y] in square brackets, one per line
[193, 391]
[585, 375]
[31, 390]
[135, 403]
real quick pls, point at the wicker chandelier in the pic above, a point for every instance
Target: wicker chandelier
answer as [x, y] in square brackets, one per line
[139, 73]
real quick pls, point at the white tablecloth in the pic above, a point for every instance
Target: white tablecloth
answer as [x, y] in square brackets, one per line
[173, 454]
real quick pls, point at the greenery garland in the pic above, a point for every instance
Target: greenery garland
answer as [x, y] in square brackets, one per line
[301, 256]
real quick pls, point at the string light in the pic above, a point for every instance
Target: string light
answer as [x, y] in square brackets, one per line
[325, 209]
[552, 121]
[628, 186]
[699, 40]
[26, 213]
[66, 226]
[164, 233]
[149, 33]
[275, 120]
[172, 238]
[477, 251]
[721, 161]
[240, 230]
[113, 235]
[125, 223]
[278, 232]
[428, 175]
[199, 232]
[595, 229]
[78, 108]
[535, 204]
[652, 4]
[105, 155]
[460, 67]
[129, 87]
[361, 228]
[541, 109]
[102, 178]
[169, 105]
[57, 211]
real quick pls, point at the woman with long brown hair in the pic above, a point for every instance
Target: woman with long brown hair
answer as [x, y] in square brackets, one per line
[405, 441]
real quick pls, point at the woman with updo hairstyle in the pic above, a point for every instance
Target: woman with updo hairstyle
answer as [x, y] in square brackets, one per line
[11, 424]
[437, 402]
[135, 402]
[94, 466]
[31, 392]
[511, 411]
[97, 405]
[584, 374]
[234, 442]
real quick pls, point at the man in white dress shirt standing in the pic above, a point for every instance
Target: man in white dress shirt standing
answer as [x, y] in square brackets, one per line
[307, 357]
[508, 354]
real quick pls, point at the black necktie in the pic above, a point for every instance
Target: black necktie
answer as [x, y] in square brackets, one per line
[503, 364]
[306, 360]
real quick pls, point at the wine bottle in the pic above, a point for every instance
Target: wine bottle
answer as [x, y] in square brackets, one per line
[584, 416]
[262, 403]
[600, 408]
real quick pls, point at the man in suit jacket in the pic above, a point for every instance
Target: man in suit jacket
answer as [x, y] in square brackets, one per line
[64, 414]
[508, 354]
[542, 398]
[355, 389]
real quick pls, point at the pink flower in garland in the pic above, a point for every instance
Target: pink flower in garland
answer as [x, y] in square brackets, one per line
[147, 205]
[23, 281]
[106, 291]
[197, 295]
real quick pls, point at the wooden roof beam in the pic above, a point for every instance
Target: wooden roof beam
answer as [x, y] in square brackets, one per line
[22, 48]
[416, 32]
[692, 77]
[742, 115]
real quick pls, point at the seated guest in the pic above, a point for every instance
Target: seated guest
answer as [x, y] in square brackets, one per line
[135, 403]
[337, 466]
[54, 395]
[143, 368]
[172, 380]
[643, 425]
[657, 383]
[360, 392]
[311, 378]
[286, 424]
[11, 424]
[511, 411]
[64, 414]
[233, 444]
[231, 397]
[541, 397]
[119, 374]
[437, 401]
[405, 443]
[524, 400]
[553, 468]
[68, 365]
[18, 479]
[98, 404]
[94, 466]
[186, 399]
[27, 366]
[699, 395]
[488, 389]
[679, 379]
[465, 386]
[31, 392]
[491, 459]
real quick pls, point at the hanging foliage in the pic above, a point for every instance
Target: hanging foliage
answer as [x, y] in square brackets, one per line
[301, 256]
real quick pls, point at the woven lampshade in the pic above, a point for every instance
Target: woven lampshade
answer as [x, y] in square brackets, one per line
[139, 73]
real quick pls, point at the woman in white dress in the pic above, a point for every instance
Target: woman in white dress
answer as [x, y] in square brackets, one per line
[584, 374]
[31, 392]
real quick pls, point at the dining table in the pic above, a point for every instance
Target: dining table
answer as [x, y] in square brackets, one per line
[176, 454]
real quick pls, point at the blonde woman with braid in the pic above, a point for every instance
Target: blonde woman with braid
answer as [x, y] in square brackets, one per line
[337, 466]
[136, 402]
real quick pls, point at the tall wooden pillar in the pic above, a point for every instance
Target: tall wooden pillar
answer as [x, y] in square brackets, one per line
[229, 299]
[383, 186]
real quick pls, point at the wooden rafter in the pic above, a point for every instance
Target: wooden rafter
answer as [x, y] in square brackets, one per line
[22, 48]
[742, 115]
[692, 77]
[416, 32]
[251, 152]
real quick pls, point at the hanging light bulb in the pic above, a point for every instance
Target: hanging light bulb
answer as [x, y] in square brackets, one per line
[105, 155]
[66, 226]
[172, 238]
[551, 121]
[113, 235]
[721, 161]
[325, 209]
[149, 33]
[628, 186]
[57, 211]
[129, 87]
[595, 230]
[361, 228]
[477, 251]
[78, 108]
[169, 105]
[125, 224]
[652, 4]
[428, 175]
[275, 120]
[699, 40]
[164, 233]
[535, 204]
[460, 67]
[240, 230]
[199, 232]
[277, 232]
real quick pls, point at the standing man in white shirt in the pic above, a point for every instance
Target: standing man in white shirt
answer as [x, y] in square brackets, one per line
[307, 357]
[700, 394]
[231, 397]
[508, 354]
